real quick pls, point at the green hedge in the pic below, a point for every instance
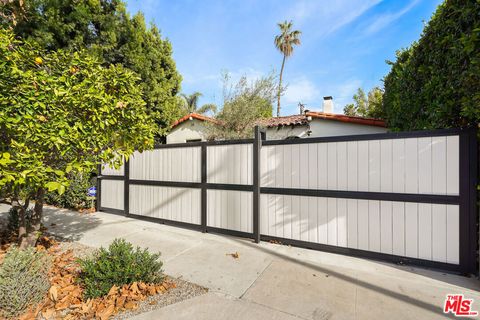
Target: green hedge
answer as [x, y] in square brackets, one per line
[75, 195]
[436, 82]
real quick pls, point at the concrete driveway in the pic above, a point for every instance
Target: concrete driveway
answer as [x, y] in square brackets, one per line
[270, 281]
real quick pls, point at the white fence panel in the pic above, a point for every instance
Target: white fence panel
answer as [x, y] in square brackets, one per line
[230, 210]
[427, 165]
[176, 204]
[107, 170]
[424, 231]
[173, 164]
[112, 194]
[231, 164]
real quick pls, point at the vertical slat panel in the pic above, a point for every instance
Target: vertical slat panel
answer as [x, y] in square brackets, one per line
[287, 217]
[305, 170]
[352, 165]
[425, 165]
[374, 225]
[453, 235]
[453, 165]
[386, 225]
[363, 224]
[279, 181]
[411, 165]
[312, 166]
[352, 223]
[411, 230]
[342, 232]
[398, 165]
[304, 217]
[322, 173]
[295, 163]
[332, 221]
[425, 231]
[296, 216]
[282, 217]
[362, 168]
[342, 179]
[398, 230]
[322, 220]
[386, 163]
[332, 165]
[312, 219]
[439, 232]
[287, 166]
[264, 219]
[374, 165]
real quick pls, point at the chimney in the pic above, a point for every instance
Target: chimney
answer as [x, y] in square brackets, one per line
[328, 104]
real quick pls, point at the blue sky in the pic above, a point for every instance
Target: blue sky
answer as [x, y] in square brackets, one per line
[344, 43]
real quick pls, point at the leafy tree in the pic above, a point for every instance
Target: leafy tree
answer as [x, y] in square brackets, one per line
[435, 83]
[244, 103]
[284, 42]
[369, 106]
[107, 30]
[190, 104]
[62, 113]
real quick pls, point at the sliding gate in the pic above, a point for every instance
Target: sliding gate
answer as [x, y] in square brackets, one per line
[402, 197]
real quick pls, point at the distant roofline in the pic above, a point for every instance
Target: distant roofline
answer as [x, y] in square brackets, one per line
[347, 119]
[297, 119]
[196, 116]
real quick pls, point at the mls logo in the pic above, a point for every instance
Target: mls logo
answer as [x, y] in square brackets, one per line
[459, 306]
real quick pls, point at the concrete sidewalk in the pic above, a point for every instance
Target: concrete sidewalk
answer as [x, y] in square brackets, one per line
[271, 281]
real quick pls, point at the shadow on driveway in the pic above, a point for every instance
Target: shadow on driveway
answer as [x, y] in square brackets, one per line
[396, 295]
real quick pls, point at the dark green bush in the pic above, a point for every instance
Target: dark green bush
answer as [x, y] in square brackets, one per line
[436, 82]
[23, 280]
[75, 195]
[118, 265]
[14, 221]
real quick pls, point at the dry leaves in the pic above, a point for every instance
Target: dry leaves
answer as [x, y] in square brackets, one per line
[235, 255]
[64, 299]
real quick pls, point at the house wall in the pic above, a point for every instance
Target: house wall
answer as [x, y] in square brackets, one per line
[188, 130]
[280, 133]
[328, 128]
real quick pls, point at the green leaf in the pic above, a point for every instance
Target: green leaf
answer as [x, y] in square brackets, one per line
[53, 185]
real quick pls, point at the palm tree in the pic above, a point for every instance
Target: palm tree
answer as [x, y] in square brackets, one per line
[191, 104]
[284, 42]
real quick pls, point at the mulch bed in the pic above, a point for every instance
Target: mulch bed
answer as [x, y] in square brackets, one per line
[64, 299]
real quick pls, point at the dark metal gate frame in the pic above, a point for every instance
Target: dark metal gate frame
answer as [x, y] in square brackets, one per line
[467, 198]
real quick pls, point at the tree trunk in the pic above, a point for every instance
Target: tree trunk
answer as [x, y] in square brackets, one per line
[31, 238]
[280, 86]
[22, 221]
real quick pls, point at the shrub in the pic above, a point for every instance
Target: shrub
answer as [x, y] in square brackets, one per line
[118, 265]
[435, 83]
[23, 280]
[75, 195]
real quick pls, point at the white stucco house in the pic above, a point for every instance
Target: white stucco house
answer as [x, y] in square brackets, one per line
[193, 127]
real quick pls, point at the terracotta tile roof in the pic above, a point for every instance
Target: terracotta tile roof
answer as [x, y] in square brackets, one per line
[348, 119]
[193, 116]
[294, 120]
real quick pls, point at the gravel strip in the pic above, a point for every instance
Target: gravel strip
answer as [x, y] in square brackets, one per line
[184, 290]
[79, 250]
